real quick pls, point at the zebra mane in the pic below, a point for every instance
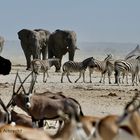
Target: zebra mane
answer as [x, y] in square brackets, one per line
[86, 61]
[109, 56]
[138, 58]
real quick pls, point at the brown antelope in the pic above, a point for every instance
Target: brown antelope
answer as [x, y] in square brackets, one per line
[41, 106]
[69, 131]
[131, 116]
[12, 116]
[113, 127]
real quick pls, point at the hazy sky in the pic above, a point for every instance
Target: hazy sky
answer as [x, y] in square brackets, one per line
[92, 20]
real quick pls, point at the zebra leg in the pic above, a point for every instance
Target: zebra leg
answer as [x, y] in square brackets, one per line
[47, 74]
[101, 78]
[136, 79]
[34, 76]
[78, 77]
[44, 78]
[139, 78]
[68, 77]
[62, 77]
[90, 72]
[90, 77]
[104, 78]
[123, 75]
[109, 78]
[133, 78]
[84, 77]
[117, 74]
[127, 78]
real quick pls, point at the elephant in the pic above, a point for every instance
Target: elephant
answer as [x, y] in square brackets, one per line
[60, 42]
[34, 44]
[1, 43]
[5, 66]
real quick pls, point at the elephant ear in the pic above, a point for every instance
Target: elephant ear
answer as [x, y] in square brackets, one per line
[24, 34]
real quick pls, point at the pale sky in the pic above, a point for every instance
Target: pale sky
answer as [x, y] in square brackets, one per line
[92, 20]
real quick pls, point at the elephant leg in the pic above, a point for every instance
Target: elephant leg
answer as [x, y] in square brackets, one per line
[71, 53]
[27, 54]
[50, 53]
[37, 56]
[28, 62]
[57, 69]
[44, 53]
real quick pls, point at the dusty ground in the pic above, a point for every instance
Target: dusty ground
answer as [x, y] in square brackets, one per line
[95, 99]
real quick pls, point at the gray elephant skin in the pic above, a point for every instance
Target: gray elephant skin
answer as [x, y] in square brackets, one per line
[61, 42]
[5, 66]
[34, 44]
[1, 43]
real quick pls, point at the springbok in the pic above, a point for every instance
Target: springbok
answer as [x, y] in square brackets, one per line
[113, 127]
[131, 116]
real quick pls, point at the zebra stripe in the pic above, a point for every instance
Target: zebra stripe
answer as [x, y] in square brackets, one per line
[71, 66]
[103, 67]
[38, 65]
[127, 66]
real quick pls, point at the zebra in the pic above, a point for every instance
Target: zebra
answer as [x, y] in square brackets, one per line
[72, 66]
[38, 65]
[105, 66]
[127, 66]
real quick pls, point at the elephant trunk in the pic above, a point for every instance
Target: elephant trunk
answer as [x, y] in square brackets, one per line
[36, 53]
[71, 54]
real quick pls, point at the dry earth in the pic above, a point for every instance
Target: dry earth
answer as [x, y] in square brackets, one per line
[95, 99]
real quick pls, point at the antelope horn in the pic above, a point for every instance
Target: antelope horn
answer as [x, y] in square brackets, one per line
[8, 116]
[17, 75]
[10, 102]
[15, 83]
[138, 106]
[32, 83]
[131, 102]
[3, 105]
[23, 82]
